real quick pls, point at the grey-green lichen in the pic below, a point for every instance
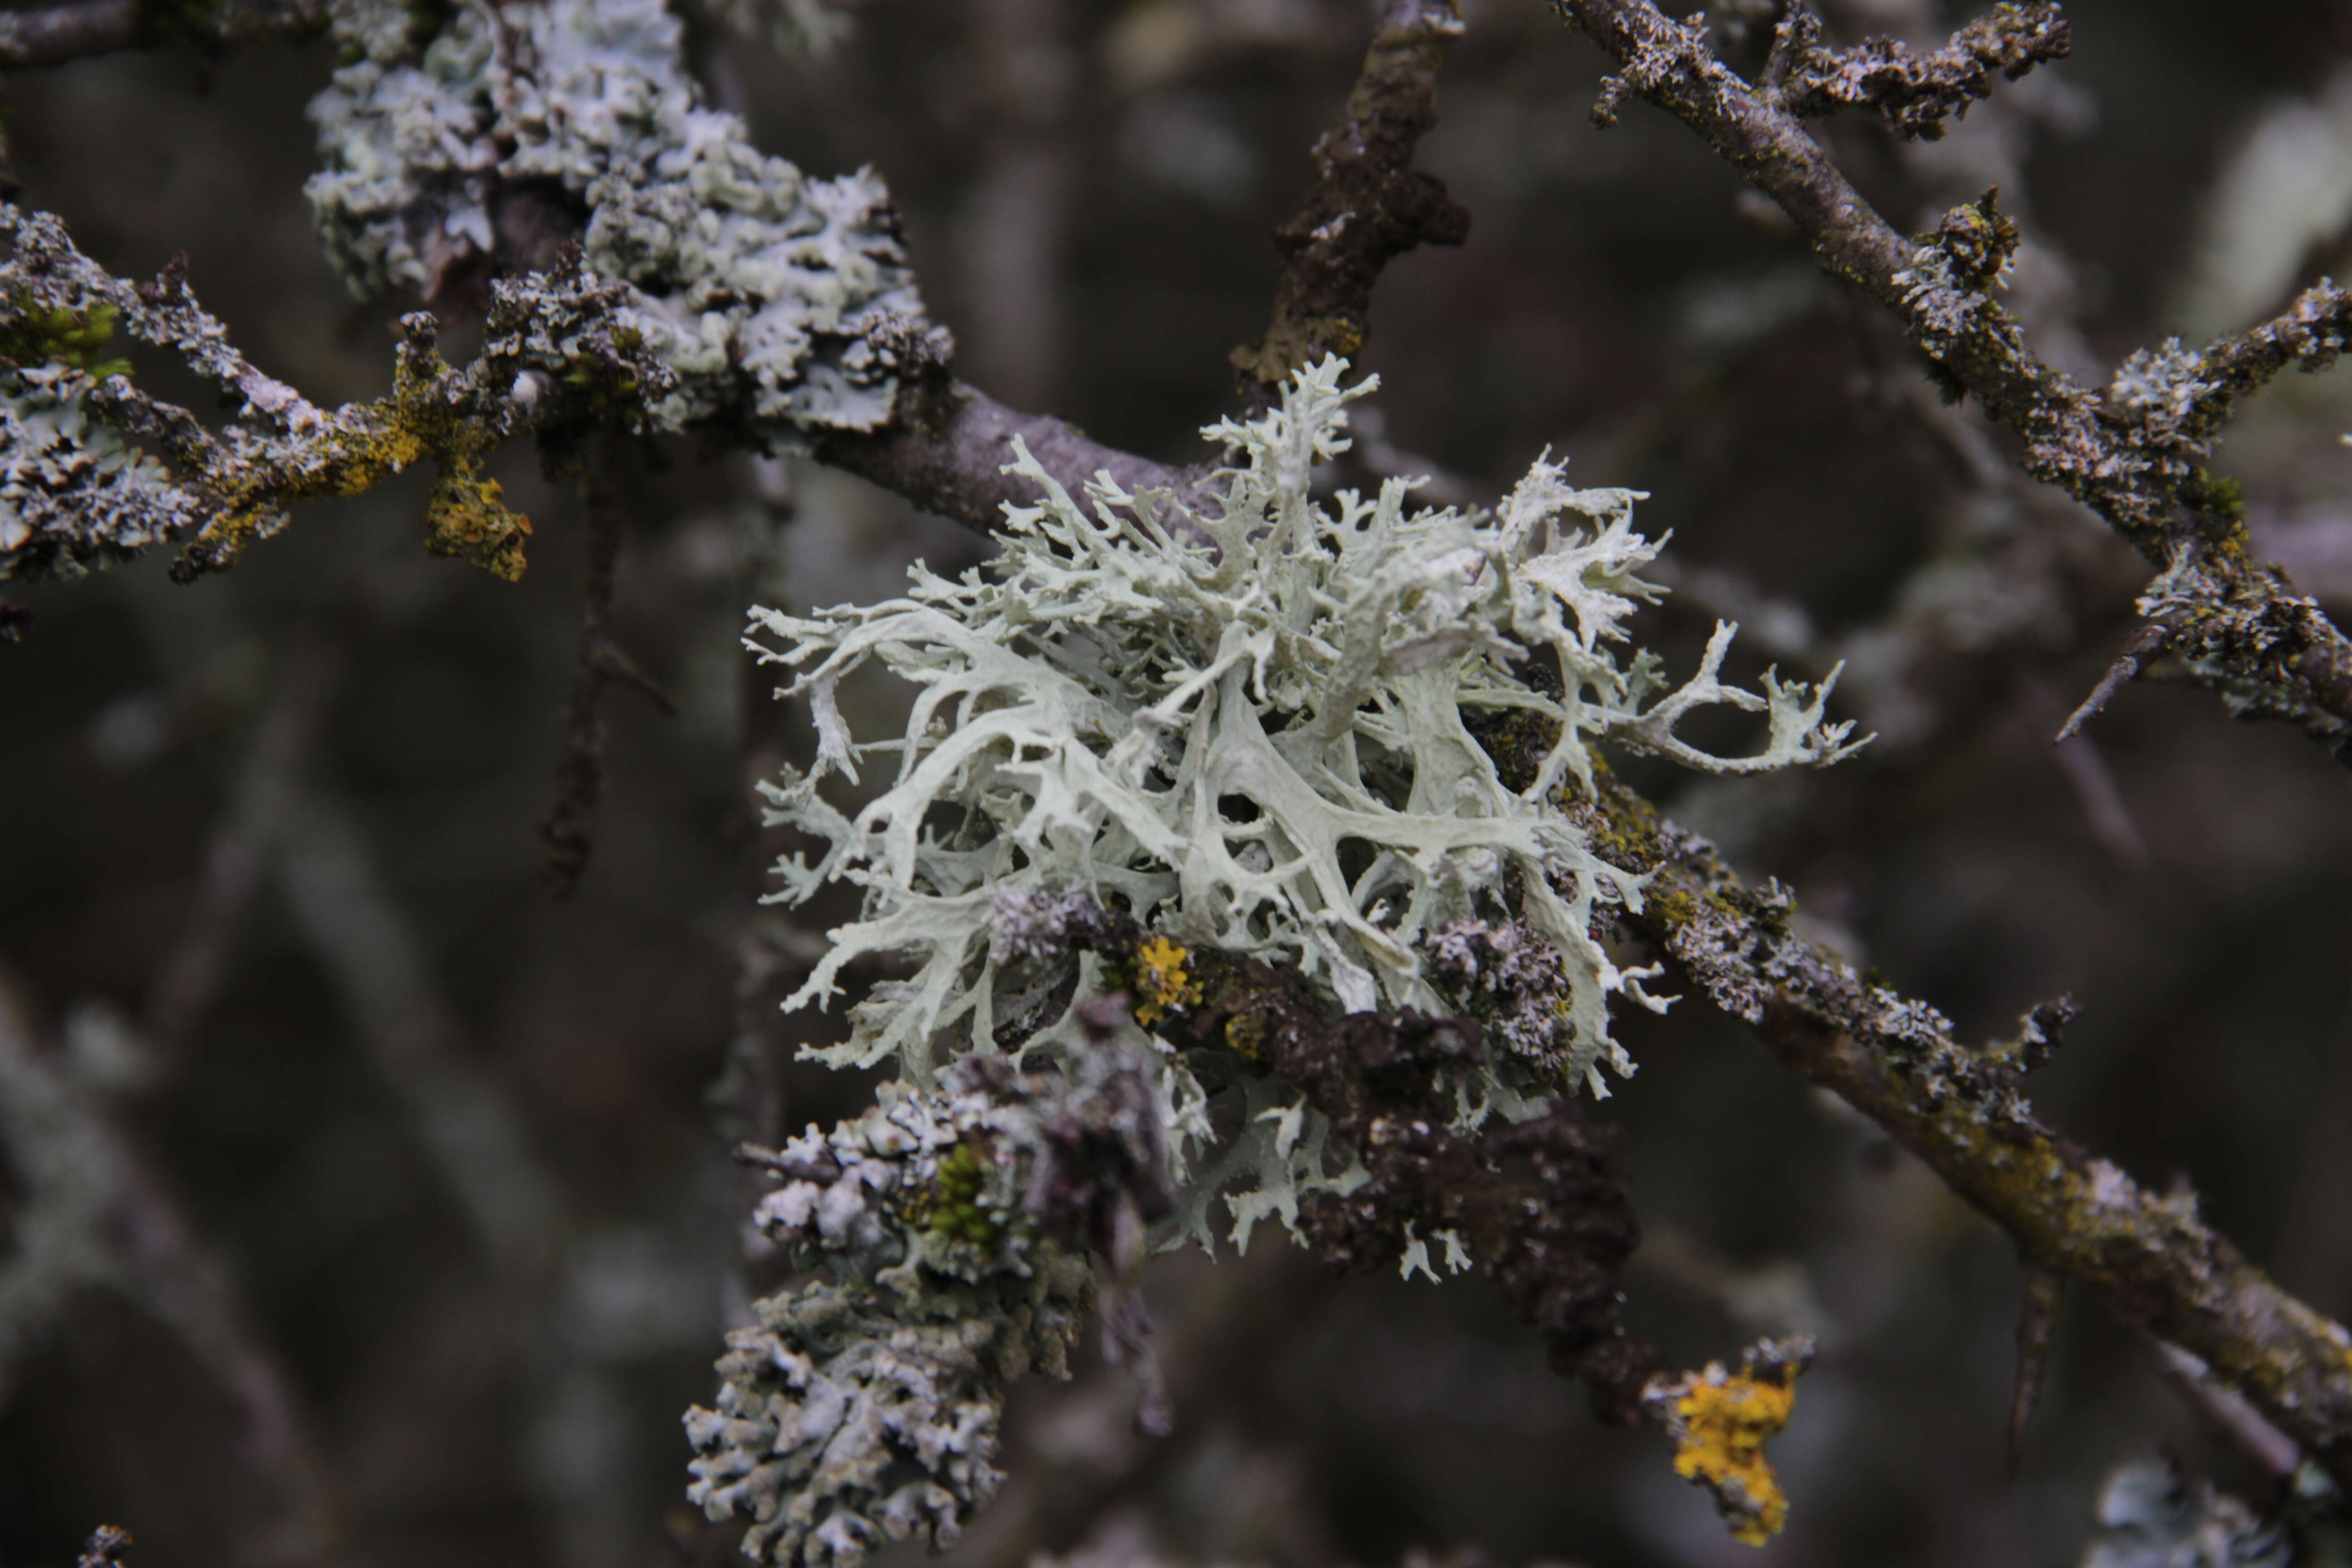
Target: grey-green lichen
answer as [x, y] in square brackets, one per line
[73, 493]
[2151, 1518]
[778, 302]
[1253, 744]
[93, 470]
[954, 1225]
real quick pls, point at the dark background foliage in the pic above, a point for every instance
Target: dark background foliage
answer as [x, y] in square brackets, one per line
[449, 1156]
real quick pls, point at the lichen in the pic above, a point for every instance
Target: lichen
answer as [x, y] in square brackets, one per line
[2150, 1517]
[1720, 1422]
[74, 495]
[1255, 746]
[865, 1407]
[1161, 980]
[762, 293]
[1917, 92]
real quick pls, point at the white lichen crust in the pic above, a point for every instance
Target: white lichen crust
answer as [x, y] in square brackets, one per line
[74, 494]
[1255, 744]
[778, 301]
[865, 1408]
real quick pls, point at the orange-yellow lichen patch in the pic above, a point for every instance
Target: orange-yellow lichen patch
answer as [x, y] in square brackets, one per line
[1162, 981]
[1720, 1422]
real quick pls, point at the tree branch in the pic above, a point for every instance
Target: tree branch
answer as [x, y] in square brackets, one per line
[1914, 92]
[1368, 206]
[948, 459]
[55, 34]
[1896, 1061]
[570, 830]
[2130, 452]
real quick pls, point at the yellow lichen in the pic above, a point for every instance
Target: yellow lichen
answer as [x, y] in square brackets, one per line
[1721, 1424]
[1161, 980]
[1246, 1033]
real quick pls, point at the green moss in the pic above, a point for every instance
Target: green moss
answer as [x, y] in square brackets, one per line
[78, 338]
[951, 1207]
[2218, 504]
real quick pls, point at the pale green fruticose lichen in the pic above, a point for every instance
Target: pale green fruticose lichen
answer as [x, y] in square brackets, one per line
[1139, 735]
[1255, 745]
[772, 297]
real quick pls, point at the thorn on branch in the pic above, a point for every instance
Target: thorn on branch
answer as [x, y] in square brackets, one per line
[2143, 645]
[1368, 204]
[1916, 93]
[2037, 1319]
[570, 830]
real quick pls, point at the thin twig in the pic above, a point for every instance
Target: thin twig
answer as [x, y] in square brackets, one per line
[2141, 645]
[2257, 641]
[94, 1215]
[2153, 1261]
[245, 838]
[570, 830]
[2230, 1417]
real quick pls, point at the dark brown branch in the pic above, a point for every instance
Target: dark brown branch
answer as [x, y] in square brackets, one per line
[2129, 453]
[1368, 206]
[1541, 1205]
[2153, 1262]
[949, 459]
[570, 830]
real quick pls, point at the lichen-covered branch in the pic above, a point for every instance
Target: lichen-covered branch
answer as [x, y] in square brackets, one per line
[1896, 1060]
[2130, 451]
[1539, 1205]
[955, 1225]
[94, 470]
[1368, 204]
[1915, 92]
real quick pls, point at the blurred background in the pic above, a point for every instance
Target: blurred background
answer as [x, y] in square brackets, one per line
[365, 1204]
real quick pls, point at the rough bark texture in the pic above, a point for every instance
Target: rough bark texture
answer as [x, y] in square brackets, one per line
[1368, 204]
[2132, 453]
[1895, 1059]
